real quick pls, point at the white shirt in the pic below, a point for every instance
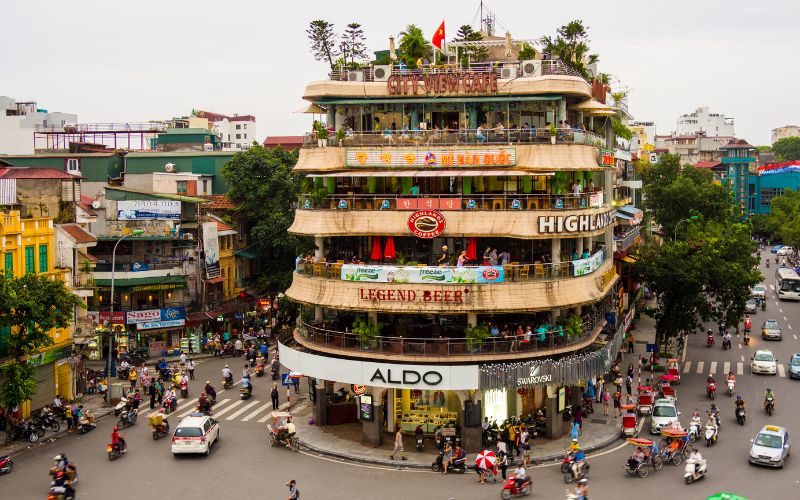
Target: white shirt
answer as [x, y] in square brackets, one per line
[57, 403]
[191, 364]
[226, 372]
[238, 344]
[183, 358]
[501, 446]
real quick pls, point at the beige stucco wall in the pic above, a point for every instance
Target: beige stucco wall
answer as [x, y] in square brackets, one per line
[530, 158]
[497, 298]
[522, 224]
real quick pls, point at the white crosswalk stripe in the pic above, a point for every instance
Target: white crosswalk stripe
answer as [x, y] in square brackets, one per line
[740, 368]
[219, 403]
[687, 367]
[262, 408]
[713, 368]
[242, 410]
[700, 366]
[264, 418]
[726, 367]
[781, 371]
[228, 408]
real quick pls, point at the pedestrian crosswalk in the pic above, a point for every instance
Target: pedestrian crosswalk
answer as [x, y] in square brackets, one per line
[230, 409]
[727, 367]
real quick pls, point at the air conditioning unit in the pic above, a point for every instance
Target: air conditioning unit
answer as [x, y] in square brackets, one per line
[170, 168]
[355, 76]
[382, 72]
[508, 72]
[531, 67]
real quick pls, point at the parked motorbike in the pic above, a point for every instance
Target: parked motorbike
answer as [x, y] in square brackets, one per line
[588, 408]
[6, 465]
[692, 471]
[740, 415]
[419, 438]
[47, 419]
[123, 373]
[339, 396]
[510, 489]
[459, 465]
[25, 431]
[227, 350]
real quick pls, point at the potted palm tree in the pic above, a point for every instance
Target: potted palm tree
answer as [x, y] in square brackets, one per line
[553, 133]
[367, 332]
[476, 336]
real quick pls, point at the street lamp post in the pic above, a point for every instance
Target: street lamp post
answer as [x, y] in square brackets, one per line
[675, 233]
[135, 232]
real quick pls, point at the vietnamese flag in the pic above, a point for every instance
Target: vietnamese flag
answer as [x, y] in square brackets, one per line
[438, 37]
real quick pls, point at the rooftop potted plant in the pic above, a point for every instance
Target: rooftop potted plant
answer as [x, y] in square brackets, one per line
[573, 326]
[553, 133]
[366, 331]
[476, 335]
[322, 134]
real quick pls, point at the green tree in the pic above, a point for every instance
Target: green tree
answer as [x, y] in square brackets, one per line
[673, 193]
[413, 45]
[266, 189]
[466, 34]
[783, 221]
[30, 306]
[571, 45]
[787, 149]
[353, 44]
[323, 41]
[526, 52]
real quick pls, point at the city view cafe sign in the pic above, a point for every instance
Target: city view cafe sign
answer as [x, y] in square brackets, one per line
[445, 83]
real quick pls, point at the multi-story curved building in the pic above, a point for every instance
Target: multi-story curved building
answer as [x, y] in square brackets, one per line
[463, 220]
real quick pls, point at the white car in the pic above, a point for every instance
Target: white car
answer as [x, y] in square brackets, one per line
[763, 361]
[770, 447]
[759, 291]
[665, 412]
[195, 434]
[785, 250]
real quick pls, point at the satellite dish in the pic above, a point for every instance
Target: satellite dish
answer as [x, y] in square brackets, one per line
[96, 204]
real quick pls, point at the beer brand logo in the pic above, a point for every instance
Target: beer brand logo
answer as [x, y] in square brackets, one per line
[426, 224]
[490, 274]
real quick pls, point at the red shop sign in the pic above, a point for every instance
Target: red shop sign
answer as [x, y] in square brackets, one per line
[426, 224]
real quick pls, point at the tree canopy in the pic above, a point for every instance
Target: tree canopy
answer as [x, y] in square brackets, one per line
[353, 45]
[266, 189]
[787, 149]
[30, 307]
[571, 45]
[673, 192]
[323, 41]
[783, 220]
[413, 45]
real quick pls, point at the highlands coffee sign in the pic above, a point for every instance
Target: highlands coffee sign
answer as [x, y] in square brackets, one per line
[556, 224]
[463, 83]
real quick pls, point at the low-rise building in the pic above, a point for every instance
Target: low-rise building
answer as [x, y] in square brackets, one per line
[770, 182]
[702, 121]
[784, 132]
[19, 120]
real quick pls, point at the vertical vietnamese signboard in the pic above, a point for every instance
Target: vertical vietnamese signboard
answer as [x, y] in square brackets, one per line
[211, 249]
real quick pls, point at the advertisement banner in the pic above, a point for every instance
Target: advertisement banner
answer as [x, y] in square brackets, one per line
[139, 266]
[103, 317]
[435, 157]
[420, 275]
[161, 324]
[148, 210]
[596, 199]
[428, 204]
[211, 249]
[587, 266]
[156, 315]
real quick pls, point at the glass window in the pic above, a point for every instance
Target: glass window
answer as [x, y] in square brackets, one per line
[181, 187]
[238, 136]
[768, 440]
[205, 186]
[10, 263]
[767, 194]
[43, 268]
[188, 432]
[30, 265]
[238, 127]
[73, 165]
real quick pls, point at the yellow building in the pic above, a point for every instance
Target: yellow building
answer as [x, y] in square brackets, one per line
[28, 246]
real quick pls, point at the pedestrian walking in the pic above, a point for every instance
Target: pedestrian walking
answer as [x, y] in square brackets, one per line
[618, 383]
[578, 419]
[274, 396]
[503, 464]
[137, 398]
[617, 404]
[526, 450]
[152, 392]
[605, 403]
[183, 359]
[132, 375]
[190, 366]
[600, 389]
[630, 342]
[398, 444]
[630, 370]
[296, 384]
[294, 493]
[629, 384]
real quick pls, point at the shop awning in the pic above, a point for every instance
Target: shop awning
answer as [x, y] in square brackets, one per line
[440, 100]
[630, 209]
[433, 173]
[621, 215]
[215, 280]
[154, 283]
[247, 254]
[630, 260]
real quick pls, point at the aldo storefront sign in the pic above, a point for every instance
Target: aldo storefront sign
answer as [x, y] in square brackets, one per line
[556, 224]
[407, 377]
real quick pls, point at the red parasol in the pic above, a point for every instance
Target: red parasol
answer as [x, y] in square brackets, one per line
[485, 460]
[389, 252]
[472, 249]
[376, 248]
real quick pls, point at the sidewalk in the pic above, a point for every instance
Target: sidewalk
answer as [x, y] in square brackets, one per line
[100, 364]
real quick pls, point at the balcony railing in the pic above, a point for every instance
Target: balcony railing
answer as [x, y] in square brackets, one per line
[627, 240]
[441, 346]
[549, 67]
[132, 267]
[102, 127]
[509, 201]
[475, 137]
[513, 272]
[83, 280]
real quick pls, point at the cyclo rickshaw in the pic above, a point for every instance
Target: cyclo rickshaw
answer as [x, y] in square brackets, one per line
[652, 459]
[675, 445]
[674, 369]
[665, 388]
[629, 423]
[277, 434]
[645, 400]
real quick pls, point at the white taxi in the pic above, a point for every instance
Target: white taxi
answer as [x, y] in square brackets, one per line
[770, 447]
[763, 361]
[195, 434]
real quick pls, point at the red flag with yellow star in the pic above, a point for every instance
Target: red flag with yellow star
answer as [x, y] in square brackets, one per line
[438, 37]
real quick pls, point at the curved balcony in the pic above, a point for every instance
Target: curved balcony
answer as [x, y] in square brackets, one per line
[446, 349]
[529, 288]
[527, 223]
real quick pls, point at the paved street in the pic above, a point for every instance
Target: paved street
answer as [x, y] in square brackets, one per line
[242, 466]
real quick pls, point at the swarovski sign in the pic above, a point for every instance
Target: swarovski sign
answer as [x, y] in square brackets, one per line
[554, 224]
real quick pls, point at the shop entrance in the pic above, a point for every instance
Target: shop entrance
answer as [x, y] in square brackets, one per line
[430, 409]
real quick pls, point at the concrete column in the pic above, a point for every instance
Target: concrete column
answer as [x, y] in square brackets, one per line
[390, 416]
[470, 436]
[473, 116]
[554, 315]
[319, 241]
[373, 317]
[562, 110]
[318, 314]
[579, 246]
[330, 120]
[555, 250]
[555, 426]
[472, 319]
[372, 430]
[587, 243]
[320, 408]
[414, 117]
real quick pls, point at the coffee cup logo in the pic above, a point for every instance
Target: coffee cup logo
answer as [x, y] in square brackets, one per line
[426, 224]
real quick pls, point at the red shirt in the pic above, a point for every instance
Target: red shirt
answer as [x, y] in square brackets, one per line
[114, 437]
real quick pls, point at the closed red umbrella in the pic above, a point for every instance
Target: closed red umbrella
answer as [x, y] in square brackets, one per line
[376, 248]
[472, 249]
[389, 252]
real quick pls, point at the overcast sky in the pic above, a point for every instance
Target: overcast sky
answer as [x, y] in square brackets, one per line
[111, 61]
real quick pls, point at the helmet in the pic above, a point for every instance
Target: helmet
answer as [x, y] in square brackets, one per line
[769, 390]
[116, 428]
[226, 366]
[713, 406]
[161, 410]
[208, 382]
[583, 481]
[58, 457]
[738, 397]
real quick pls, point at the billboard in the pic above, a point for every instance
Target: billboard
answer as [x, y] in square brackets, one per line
[211, 249]
[427, 275]
[148, 210]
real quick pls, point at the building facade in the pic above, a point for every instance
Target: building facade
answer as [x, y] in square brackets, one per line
[19, 120]
[739, 161]
[701, 121]
[784, 132]
[464, 240]
[770, 182]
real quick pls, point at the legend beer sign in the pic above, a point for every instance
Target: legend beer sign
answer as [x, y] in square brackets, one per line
[556, 224]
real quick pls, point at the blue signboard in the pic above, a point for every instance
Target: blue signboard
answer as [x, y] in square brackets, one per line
[285, 380]
[173, 313]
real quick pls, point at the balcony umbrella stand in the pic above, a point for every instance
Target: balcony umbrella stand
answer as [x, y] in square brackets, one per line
[389, 252]
[376, 249]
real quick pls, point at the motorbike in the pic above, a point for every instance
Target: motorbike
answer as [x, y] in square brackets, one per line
[567, 462]
[169, 405]
[276, 372]
[573, 475]
[58, 492]
[160, 431]
[25, 431]
[184, 389]
[740, 415]
[587, 406]
[710, 435]
[731, 387]
[227, 350]
[86, 422]
[694, 432]
[711, 390]
[245, 392]
[227, 383]
[764, 304]
[710, 341]
[339, 396]
[746, 338]
[459, 464]
[767, 263]
[123, 373]
[115, 451]
[770, 406]
[419, 437]
[127, 419]
[120, 406]
[6, 465]
[205, 408]
[692, 473]
[726, 344]
[46, 419]
[510, 489]
[259, 370]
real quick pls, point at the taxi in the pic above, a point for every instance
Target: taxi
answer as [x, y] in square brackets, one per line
[770, 447]
[195, 434]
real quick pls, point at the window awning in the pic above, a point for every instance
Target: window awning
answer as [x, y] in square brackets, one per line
[247, 254]
[432, 173]
[149, 284]
[621, 215]
[630, 209]
[213, 281]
